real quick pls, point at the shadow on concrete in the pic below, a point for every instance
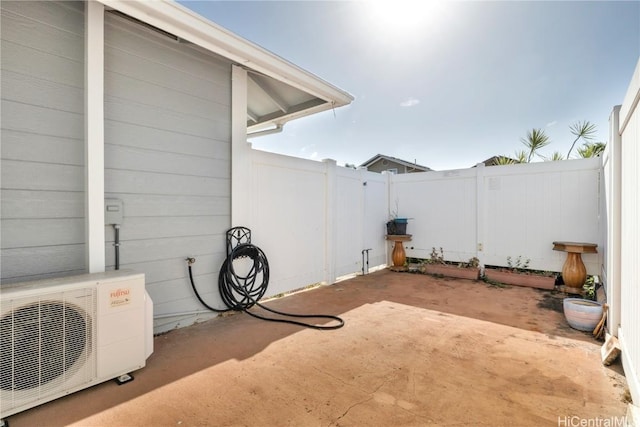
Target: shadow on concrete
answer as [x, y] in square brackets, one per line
[184, 353]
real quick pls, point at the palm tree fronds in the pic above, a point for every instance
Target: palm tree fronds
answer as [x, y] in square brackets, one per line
[555, 157]
[585, 130]
[535, 140]
[521, 156]
[504, 160]
[591, 149]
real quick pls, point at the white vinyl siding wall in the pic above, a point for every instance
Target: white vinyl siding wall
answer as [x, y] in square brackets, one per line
[42, 181]
[168, 158]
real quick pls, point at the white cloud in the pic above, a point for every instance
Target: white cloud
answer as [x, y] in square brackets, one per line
[410, 102]
[553, 123]
[313, 155]
[307, 148]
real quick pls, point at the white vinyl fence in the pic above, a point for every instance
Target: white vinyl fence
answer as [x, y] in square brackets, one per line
[622, 266]
[503, 211]
[360, 212]
[314, 219]
[611, 160]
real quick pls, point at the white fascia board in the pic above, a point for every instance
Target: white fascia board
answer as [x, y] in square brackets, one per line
[178, 20]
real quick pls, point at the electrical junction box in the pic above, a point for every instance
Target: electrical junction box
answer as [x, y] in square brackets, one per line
[113, 211]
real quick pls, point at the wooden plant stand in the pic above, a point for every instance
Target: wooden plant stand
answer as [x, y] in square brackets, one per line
[398, 255]
[574, 272]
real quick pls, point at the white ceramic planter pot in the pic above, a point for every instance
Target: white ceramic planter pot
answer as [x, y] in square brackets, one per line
[582, 314]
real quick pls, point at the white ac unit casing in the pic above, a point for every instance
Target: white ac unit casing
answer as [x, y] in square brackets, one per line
[59, 336]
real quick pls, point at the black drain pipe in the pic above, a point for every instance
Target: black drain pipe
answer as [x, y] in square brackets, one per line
[116, 244]
[367, 252]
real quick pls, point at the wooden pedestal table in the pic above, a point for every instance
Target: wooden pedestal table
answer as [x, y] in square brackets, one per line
[574, 273]
[398, 256]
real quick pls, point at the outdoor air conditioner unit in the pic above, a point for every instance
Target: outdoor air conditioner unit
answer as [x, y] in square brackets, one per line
[59, 336]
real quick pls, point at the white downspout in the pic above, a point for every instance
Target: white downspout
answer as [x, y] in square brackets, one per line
[271, 131]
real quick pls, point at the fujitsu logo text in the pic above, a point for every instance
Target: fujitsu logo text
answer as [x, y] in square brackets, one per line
[119, 293]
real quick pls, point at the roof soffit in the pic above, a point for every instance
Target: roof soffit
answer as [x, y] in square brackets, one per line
[278, 90]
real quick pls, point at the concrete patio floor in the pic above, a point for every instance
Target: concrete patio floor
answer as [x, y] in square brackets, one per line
[416, 350]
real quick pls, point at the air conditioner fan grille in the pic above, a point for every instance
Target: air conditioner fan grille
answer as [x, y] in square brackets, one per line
[43, 342]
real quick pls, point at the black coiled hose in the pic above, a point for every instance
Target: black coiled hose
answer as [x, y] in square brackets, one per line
[240, 292]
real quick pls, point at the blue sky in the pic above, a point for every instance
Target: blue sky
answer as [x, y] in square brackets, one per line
[446, 84]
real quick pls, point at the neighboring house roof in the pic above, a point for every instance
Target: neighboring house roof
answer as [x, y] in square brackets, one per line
[414, 167]
[278, 91]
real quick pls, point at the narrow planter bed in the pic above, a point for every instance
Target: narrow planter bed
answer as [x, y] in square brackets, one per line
[520, 279]
[452, 271]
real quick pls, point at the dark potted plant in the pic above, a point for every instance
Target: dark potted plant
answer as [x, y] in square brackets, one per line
[391, 227]
[518, 273]
[437, 265]
[396, 226]
[400, 225]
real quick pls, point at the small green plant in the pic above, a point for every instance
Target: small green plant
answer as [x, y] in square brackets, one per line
[436, 257]
[589, 288]
[473, 262]
[521, 265]
[518, 265]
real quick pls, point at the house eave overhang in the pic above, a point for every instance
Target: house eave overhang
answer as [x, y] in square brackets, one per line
[185, 24]
[276, 120]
